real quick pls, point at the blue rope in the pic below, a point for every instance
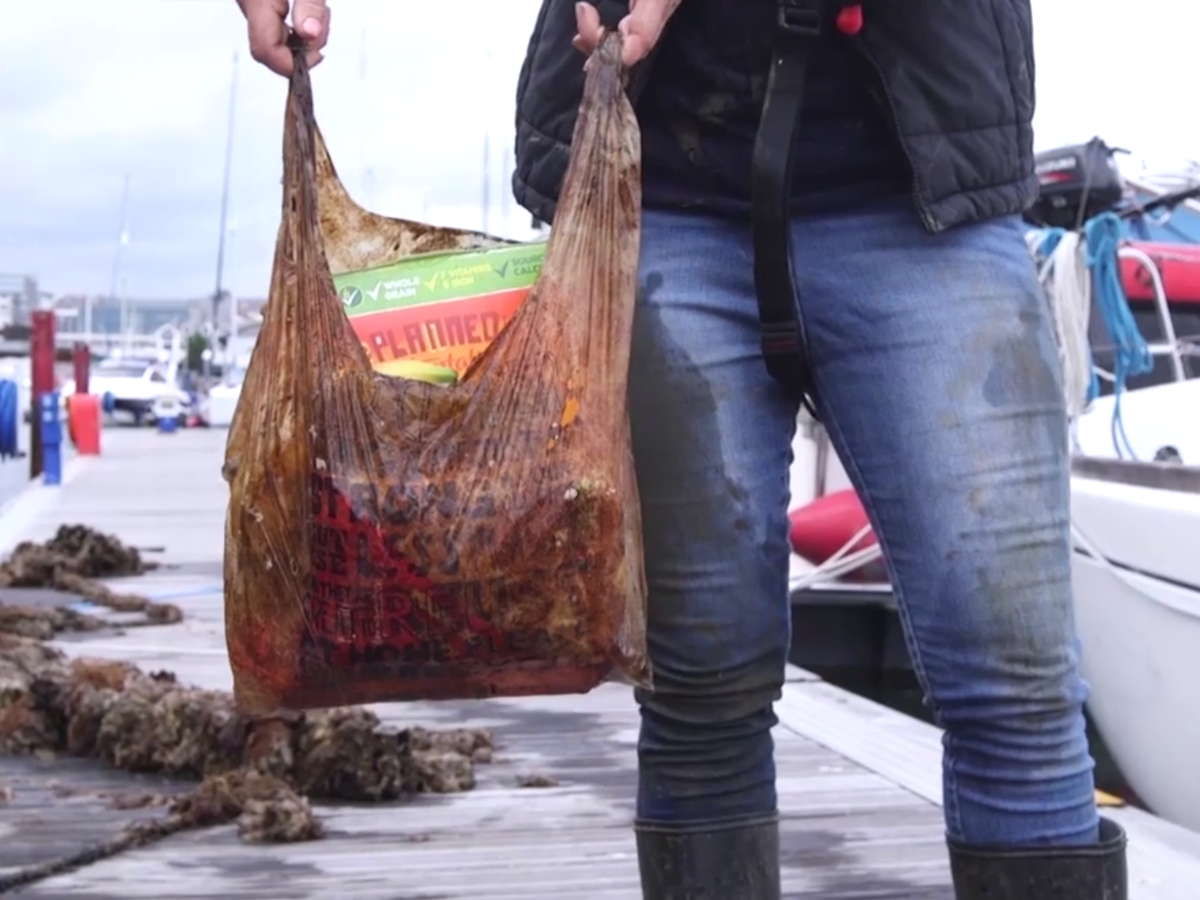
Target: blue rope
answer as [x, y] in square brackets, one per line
[10, 419]
[1050, 241]
[1131, 354]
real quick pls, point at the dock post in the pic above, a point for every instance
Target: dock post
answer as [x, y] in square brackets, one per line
[50, 420]
[84, 412]
[81, 359]
[41, 377]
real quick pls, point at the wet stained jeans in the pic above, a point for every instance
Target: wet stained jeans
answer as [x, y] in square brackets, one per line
[935, 373]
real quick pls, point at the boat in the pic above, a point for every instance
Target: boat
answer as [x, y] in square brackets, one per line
[1136, 515]
[135, 386]
[1135, 495]
[1135, 483]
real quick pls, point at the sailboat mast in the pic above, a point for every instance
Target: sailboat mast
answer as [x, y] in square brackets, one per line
[506, 191]
[487, 185]
[364, 115]
[487, 155]
[118, 258]
[221, 239]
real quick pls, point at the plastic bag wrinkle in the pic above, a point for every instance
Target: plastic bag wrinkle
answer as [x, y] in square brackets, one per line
[391, 539]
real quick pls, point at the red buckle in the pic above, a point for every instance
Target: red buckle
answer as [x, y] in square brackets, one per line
[850, 19]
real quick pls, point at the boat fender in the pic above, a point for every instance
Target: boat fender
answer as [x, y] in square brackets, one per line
[1168, 454]
[9, 420]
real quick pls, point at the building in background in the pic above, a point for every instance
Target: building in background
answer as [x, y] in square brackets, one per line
[135, 315]
[19, 296]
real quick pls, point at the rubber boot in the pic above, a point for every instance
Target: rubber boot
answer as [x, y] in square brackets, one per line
[739, 862]
[1043, 873]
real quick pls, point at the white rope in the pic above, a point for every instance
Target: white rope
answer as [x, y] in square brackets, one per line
[1068, 286]
[841, 563]
[844, 562]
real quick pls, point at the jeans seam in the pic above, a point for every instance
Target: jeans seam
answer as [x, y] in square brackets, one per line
[950, 803]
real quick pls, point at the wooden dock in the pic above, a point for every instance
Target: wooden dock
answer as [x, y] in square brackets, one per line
[859, 785]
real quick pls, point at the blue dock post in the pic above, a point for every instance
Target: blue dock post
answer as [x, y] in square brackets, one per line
[52, 437]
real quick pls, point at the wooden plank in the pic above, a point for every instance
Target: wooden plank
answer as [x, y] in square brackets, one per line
[1164, 859]
[50, 808]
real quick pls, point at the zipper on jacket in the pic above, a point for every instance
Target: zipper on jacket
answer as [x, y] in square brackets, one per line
[889, 104]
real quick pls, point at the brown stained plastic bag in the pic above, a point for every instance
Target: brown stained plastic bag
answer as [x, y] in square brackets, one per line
[396, 540]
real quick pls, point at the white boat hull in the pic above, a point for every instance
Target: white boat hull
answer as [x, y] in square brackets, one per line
[1140, 632]
[1138, 609]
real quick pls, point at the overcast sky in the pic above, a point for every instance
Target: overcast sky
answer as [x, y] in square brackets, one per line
[93, 89]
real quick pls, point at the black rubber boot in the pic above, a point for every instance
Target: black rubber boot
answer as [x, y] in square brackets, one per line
[739, 862]
[1043, 873]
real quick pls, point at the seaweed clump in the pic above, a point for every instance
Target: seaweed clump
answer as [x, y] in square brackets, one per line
[70, 562]
[258, 773]
[149, 723]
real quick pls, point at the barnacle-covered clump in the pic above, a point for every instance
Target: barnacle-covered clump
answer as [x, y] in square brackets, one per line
[70, 562]
[260, 773]
[251, 769]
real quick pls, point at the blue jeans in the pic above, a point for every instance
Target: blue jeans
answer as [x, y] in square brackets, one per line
[936, 375]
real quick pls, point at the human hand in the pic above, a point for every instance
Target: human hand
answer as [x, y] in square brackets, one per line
[640, 30]
[266, 23]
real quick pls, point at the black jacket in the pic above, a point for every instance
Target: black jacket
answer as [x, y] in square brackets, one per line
[957, 78]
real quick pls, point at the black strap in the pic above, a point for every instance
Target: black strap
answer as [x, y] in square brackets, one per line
[797, 29]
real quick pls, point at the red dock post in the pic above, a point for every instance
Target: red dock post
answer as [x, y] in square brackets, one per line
[84, 417]
[41, 378]
[81, 357]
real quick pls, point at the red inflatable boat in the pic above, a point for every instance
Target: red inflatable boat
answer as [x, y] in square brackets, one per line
[1178, 266]
[825, 526]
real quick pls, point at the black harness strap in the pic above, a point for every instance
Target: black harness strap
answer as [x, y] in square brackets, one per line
[798, 28]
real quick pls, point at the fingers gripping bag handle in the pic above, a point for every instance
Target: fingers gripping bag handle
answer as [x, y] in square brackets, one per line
[391, 539]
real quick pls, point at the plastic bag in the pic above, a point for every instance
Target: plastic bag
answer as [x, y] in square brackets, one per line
[390, 539]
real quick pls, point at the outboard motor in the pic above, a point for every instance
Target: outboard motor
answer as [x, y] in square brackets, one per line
[1074, 184]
